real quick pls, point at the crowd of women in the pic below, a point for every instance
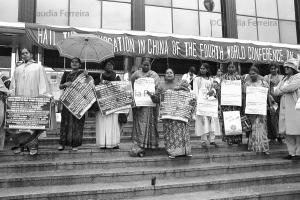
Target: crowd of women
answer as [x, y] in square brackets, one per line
[281, 120]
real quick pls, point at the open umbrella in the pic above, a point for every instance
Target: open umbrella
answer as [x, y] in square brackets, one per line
[89, 48]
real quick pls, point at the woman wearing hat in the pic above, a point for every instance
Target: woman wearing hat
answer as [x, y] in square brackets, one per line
[289, 90]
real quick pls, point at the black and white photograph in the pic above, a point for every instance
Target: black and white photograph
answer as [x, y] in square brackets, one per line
[149, 100]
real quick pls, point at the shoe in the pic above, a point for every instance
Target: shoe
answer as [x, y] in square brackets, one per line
[61, 148]
[267, 152]
[189, 155]
[288, 157]
[203, 144]
[75, 149]
[116, 147]
[141, 154]
[33, 152]
[17, 150]
[296, 158]
[214, 144]
[172, 157]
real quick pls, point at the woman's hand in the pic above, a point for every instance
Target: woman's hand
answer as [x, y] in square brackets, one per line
[85, 72]
[211, 93]
[67, 84]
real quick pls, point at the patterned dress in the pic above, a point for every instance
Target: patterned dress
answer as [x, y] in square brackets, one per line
[258, 138]
[71, 130]
[230, 139]
[145, 120]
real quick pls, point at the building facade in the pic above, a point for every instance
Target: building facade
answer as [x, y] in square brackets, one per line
[275, 21]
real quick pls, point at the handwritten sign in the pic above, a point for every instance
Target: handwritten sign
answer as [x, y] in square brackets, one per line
[231, 93]
[141, 87]
[256, 100]
[177, 105]
[80, 96]
[114, 96]
[232, 123]
[28, 113]
[207, 107]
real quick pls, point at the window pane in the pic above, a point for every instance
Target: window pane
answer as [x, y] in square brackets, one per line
[158, 19]
[116, 15]
[158, 2]
[180, 19]
[268, 30]
[9, 10]
[217, 7]
[88, 13]
[190, 4]
[245, 7]
[210, 24]
[266, 8]
[247, 29]
[54, 12]
[127, 1]
[288, 33]
[286, 9]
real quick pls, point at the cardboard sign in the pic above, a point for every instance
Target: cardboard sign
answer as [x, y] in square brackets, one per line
[231, 93]
[256, 100]
[114, 96]
[28, 113]
[177, 105]
[141, 87]
[232, 123]
[80, 96]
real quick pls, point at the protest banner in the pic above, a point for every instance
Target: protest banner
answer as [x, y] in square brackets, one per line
[141, 87]
[232, 123]
[80, 96]
[114, 96]
[207, 107]
[28, 113]
[154, 45]
[256, 100]
[231, 93]
[177, 105]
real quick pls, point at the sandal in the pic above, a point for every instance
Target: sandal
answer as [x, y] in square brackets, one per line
[33, 152]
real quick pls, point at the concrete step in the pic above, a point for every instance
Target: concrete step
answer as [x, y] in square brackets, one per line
[112, 175]
[123, 190]
[31, 164]
[287, 191]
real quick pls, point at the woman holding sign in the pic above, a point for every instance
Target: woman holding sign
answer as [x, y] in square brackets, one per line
[176, 132]
[205, 126]
[145, 117]
[107, 126]
[256, 110]
[289, 90]
[71, 130]
[228, 77]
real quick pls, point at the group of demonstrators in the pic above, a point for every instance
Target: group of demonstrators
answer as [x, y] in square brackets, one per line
[274, 95]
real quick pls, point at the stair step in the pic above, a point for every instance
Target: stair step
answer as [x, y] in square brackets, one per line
[63, 177]
[123, 190]
[261, 192]
[94, 162]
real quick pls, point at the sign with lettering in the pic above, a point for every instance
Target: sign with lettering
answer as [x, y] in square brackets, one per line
[80, 96]
[114, 96]
[177, 105]
[232, 123]
[207, 107]
[256, 100]
[231, 93]
[28, 113]
[141, 88]
[150, 45]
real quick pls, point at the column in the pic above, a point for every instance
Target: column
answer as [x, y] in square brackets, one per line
[229, 20]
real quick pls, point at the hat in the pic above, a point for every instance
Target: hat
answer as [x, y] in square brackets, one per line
[292, 63]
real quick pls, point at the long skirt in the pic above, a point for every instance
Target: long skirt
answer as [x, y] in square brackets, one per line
[272, 121]
[144, 133]
[71, 130]
[107, 130]
[177, 137]
[258, 138]
[2, 131]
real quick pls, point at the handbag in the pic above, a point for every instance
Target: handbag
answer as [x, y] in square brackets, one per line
[122, 118]
[246, 124]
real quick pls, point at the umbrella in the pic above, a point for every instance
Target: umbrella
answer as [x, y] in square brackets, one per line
[89, 48]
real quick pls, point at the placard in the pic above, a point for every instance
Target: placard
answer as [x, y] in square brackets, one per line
[80, 96]
[141, 87]
[114, 96]
[256, 100]
[231, 93]
[54, 79]
[232, 123]
[28, 113]
[207, 107]
[177, 105]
